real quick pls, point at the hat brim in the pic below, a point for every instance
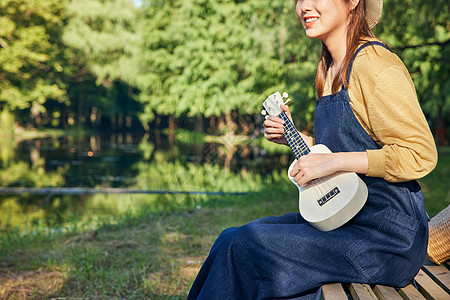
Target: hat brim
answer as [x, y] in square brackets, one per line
[373, 9]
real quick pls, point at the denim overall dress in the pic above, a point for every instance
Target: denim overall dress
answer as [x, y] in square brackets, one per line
[286, 258]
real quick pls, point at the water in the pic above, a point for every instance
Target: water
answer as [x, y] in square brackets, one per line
[140, 162]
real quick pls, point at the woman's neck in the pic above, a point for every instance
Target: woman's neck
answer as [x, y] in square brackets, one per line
[337, 51]
[336, 43]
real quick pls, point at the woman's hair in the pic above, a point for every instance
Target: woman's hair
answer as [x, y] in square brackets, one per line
[357, 31]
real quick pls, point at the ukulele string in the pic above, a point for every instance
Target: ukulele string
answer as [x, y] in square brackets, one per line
[320, 183]
[294, 145]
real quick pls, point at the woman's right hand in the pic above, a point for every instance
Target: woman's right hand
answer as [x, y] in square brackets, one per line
[274, 127]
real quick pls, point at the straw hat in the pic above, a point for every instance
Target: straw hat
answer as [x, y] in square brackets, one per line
[373, 11]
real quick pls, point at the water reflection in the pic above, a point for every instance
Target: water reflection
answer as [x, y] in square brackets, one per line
[156, 161]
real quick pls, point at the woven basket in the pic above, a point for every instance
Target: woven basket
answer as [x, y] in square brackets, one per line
[439, 237]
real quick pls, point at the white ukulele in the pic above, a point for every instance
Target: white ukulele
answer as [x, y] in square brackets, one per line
[327, 202]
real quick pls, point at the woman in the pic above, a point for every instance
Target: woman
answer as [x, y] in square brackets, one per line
[368, 115]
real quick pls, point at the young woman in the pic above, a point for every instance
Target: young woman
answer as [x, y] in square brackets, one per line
[368, 115]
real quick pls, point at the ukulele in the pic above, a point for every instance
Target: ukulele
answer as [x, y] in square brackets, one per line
[327, 202]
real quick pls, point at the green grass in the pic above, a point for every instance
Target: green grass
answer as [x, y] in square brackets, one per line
[436, 185]
[148, 255]
[144, 255]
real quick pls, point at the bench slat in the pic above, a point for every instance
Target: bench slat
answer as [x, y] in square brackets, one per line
[409, 292]
[432, 283]
[386, 293]
[334, 291]
[440, 275]
[362, 292]
[430, 289]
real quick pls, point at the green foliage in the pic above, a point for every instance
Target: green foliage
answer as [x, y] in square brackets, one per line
[192, 177]
[211, 57]
[419, 32]
[102, 36]
[434, 187]
[30, 63]
[102, 32]
[20, 173]
[7, 122]
[91, 59]
[31, 176]
[208, 57]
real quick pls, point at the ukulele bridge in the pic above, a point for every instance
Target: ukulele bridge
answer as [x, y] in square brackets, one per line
[328, 196]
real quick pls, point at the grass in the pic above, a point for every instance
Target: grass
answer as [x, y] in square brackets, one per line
[148, 255]
[435, 186]
[143, 256]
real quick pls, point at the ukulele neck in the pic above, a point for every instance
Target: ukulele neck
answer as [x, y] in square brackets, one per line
[292, 135]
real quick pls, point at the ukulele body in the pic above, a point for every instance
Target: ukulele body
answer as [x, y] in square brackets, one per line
[329, 202]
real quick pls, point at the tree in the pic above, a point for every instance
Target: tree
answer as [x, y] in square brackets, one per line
[31, 61]
[210, 58]
[204, 57]
[419, 32]
[102, 36]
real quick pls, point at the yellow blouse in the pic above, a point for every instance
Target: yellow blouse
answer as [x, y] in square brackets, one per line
[384, 100]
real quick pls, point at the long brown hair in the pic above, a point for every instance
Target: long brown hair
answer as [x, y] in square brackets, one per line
[357, 31]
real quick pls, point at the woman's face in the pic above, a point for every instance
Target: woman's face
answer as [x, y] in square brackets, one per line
[323, 19]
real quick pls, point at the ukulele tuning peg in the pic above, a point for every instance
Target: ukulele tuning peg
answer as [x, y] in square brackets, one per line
[287, 101]
[264, 113]
[285, 95]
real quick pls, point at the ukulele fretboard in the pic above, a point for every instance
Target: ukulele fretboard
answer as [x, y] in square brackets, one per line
[295, 141]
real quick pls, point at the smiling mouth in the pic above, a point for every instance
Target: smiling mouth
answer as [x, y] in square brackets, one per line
[310, 21]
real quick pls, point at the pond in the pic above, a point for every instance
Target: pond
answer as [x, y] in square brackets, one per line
[90, 178]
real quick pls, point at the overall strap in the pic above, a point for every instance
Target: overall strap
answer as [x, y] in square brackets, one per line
[370, 43]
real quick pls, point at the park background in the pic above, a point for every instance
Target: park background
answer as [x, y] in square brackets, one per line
[164, 96]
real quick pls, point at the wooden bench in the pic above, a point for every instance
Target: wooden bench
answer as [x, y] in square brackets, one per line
[432, 281]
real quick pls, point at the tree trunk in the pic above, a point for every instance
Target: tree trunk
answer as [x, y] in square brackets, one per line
[212, 124]
[63, 118]
[35, 151]
[158, 122]
[231, 123]
[199, 124]
[80, 110]
[36, 116]
[172, 126]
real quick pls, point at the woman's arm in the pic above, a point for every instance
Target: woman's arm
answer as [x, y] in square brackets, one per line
[316, 165]
[384, 100]
[407, 149]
